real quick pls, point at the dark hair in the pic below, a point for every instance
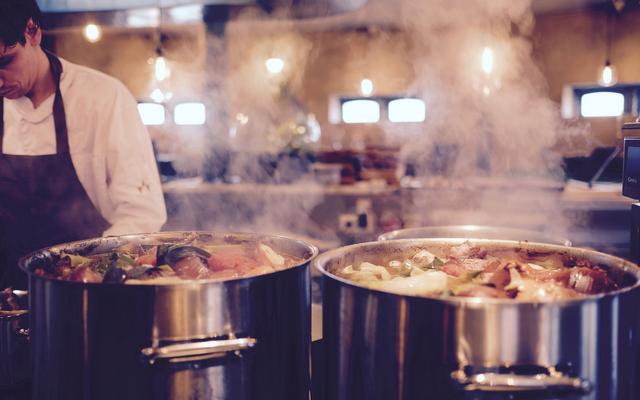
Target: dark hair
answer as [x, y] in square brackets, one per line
[14, 16]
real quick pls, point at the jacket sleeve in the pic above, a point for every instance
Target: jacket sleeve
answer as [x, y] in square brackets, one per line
[132, 175]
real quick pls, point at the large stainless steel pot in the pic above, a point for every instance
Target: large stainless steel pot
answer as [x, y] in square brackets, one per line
[14, 349]
[380, 345]
[237, 339]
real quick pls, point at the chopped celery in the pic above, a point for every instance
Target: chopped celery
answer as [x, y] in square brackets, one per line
[76, 260]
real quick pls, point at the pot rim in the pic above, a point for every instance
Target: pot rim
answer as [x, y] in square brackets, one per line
[320, 261]
[17, 314]
[472, 229]
[313, 253]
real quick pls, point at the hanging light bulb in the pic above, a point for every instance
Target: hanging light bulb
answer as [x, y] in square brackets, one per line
[92, 33]
[608, 75]
[487, 60]
[158, 96]
[161, 69]
[274, 65]
[366, 87]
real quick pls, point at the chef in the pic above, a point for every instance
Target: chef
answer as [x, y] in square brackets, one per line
[75, 159]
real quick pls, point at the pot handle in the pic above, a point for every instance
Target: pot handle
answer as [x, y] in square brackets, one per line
[197, 350]
[23, 333]
[494, 382]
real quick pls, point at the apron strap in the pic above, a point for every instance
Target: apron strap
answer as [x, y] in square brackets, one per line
[1, 124]
[59, 118]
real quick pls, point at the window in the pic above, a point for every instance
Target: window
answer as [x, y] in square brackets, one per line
[407, 110]
[355, 110]
[598, 101]
[602, 104]
[151, 113]
[360, 111]
[190, 114]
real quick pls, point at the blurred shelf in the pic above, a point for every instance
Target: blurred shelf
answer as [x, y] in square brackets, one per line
[198, 186]
[602, 196]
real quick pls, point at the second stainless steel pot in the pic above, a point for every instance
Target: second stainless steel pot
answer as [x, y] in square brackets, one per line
[475, 232]
[381, 345]
[237, 339]
[14, 350]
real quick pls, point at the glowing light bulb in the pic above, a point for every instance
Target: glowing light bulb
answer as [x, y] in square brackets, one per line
[487, 60]
[274, 65]
[161, 68]
[366, 87]
[157, 96]
[608, 75]
[242, 119]
[92, 33]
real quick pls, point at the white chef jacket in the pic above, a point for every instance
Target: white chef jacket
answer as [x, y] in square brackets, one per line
[110, 147]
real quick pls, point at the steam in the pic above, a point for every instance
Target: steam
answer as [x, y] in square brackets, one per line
[504, 111]
[491, 122]
[487, 99]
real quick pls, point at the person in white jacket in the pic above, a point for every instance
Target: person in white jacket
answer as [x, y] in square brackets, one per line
[75, 159]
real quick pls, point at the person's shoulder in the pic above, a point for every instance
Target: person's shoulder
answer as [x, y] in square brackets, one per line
[91, 81]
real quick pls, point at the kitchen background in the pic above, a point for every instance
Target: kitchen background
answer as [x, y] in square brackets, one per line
[337, 121]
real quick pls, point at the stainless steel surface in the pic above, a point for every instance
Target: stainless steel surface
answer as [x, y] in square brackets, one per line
[385, 346]
[199, 350]
[87, 338]
[74, 14]
[14, 350]
[474, 232]
[493, 382]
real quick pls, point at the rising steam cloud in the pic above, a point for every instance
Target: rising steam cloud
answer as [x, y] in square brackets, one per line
[493, 127]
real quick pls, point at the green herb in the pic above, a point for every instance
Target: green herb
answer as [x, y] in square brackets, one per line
[124, 260]
[165, 268]
[75, 260]
[447, 293]
[433, 264]
[102, 266]
[469, 275]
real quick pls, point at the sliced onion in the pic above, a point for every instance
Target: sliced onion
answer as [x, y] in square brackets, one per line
[422, 258]
[537, 267]
[429, 282]
[274, 258]
[375, 269]
[581, 282]
[516, 280]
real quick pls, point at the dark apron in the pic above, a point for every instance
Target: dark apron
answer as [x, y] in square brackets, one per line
[42, 201]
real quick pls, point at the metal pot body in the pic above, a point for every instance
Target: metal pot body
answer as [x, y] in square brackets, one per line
[14, 351]
[386, 346]
[237, 339]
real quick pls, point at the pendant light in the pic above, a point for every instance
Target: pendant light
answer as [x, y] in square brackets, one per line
[161, 70]
[608, 75]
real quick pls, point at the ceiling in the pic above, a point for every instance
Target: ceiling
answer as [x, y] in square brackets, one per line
[337, 13]
[108, 5]
[550, 6]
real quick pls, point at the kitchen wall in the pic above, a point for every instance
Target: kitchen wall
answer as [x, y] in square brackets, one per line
[324, 64]
[124, 54]
[128, 54]
[320, 66]
[571, 49]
